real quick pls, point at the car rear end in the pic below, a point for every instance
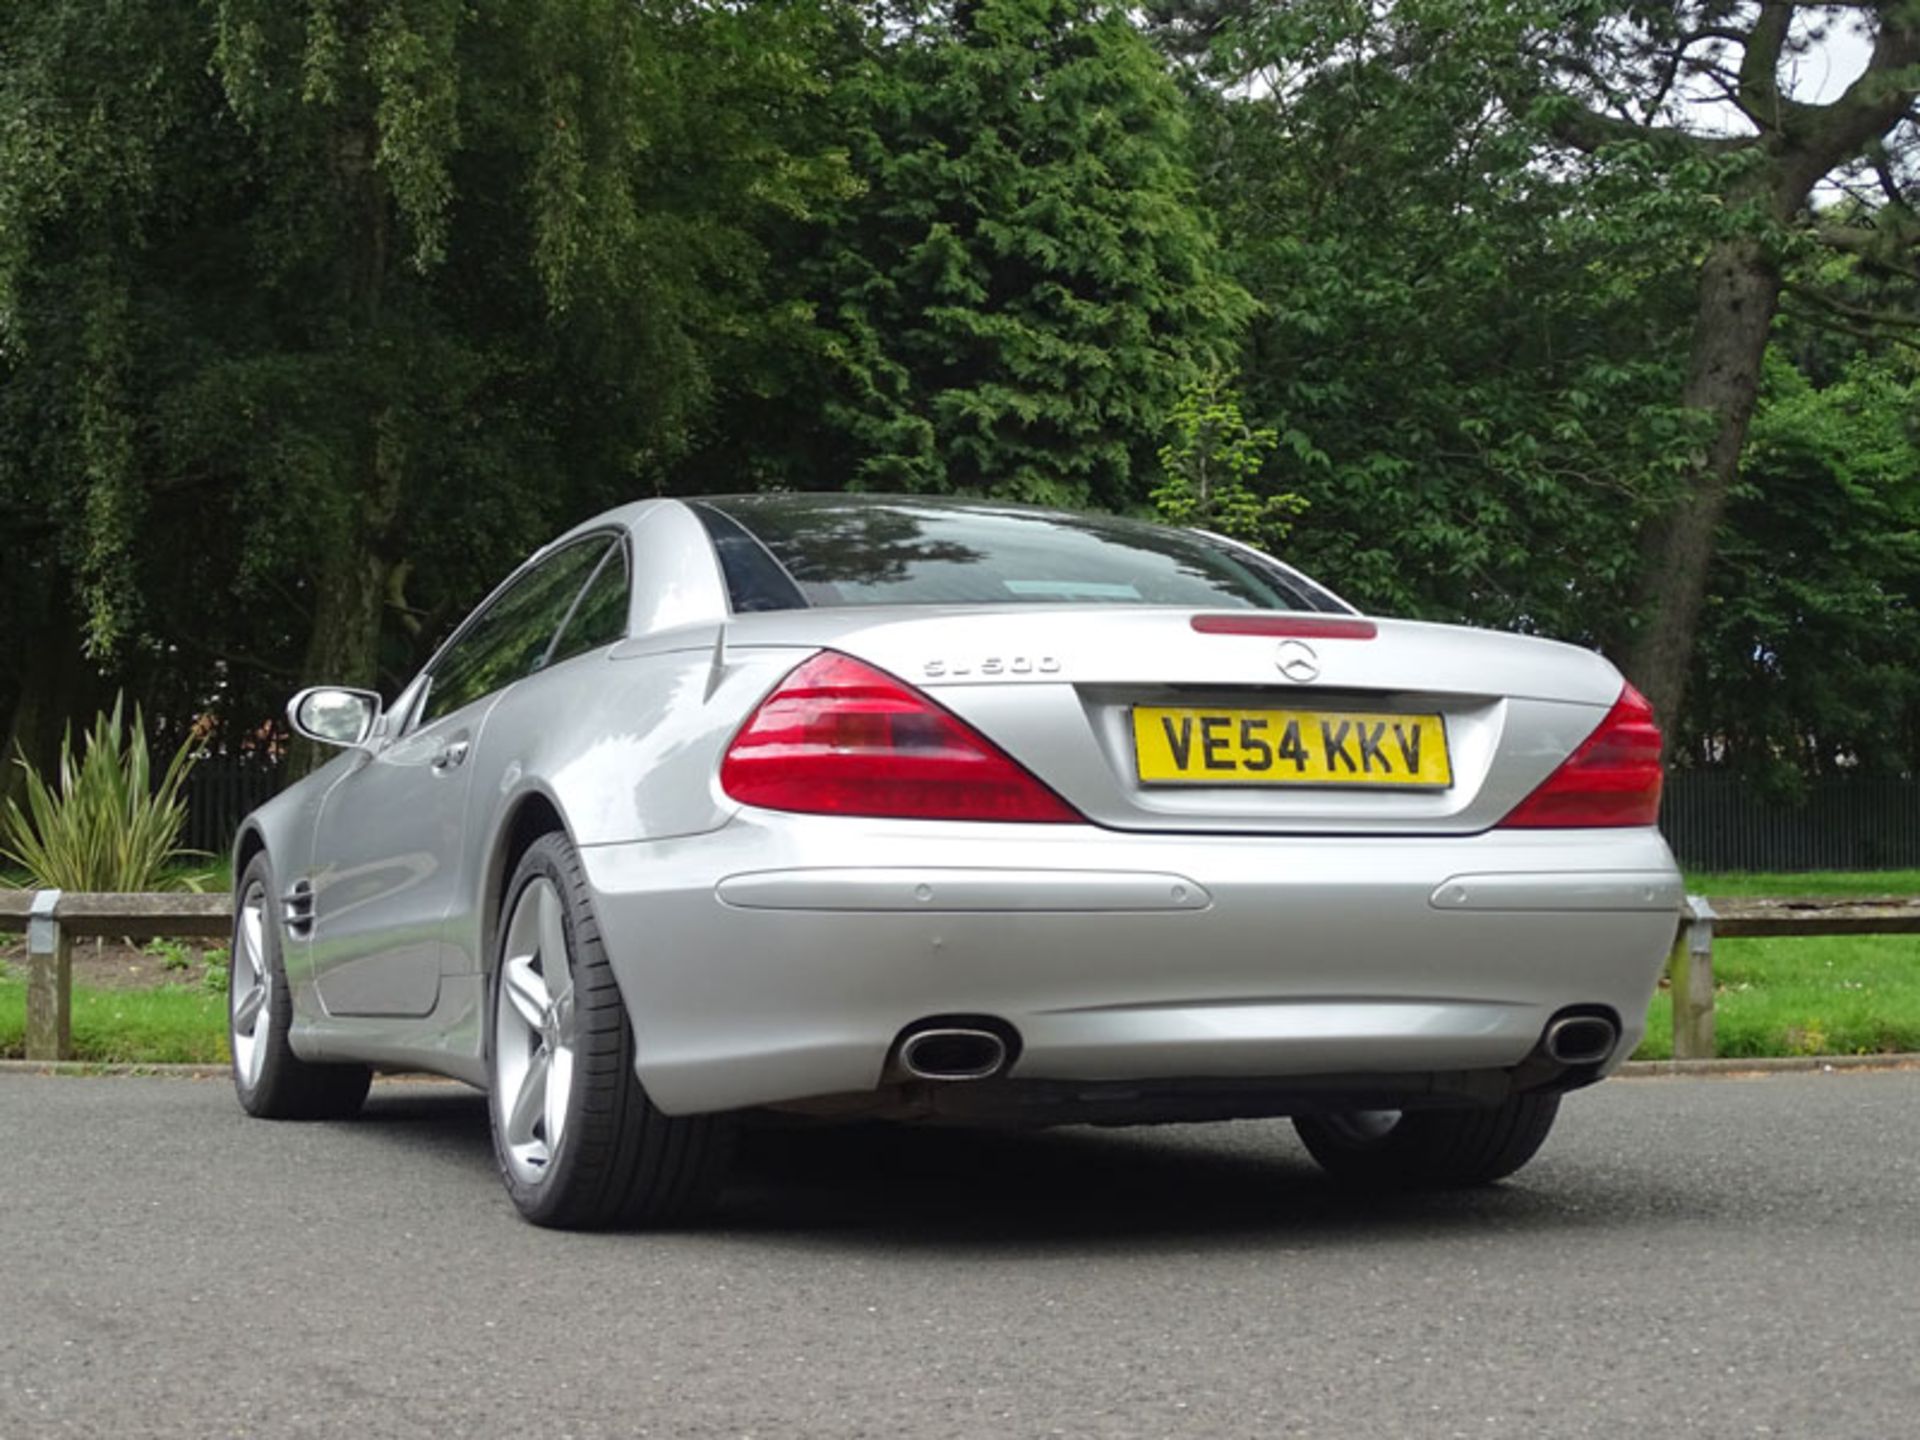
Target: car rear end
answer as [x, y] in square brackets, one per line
[1087, 854]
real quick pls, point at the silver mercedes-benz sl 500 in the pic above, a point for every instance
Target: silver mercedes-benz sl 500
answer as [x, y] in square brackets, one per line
[867, 808]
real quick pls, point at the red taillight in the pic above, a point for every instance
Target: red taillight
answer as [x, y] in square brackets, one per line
[838, 737]
[1612, 779]
[1301, 627]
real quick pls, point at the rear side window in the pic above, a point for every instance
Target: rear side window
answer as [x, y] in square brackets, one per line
[509, 638]
[781, 550]
[600, 617]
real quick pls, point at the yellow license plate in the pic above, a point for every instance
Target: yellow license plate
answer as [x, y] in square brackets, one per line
[1207, 746]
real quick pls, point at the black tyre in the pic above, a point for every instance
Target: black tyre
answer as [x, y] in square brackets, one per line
[1414, 1148]
[272, 1082]
[578, 1142]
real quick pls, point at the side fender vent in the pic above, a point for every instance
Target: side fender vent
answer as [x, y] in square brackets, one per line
[296, 909]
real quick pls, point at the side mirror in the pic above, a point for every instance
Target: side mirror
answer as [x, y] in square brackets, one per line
[333, 715]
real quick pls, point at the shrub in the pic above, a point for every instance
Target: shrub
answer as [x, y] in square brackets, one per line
[1213, 466]
[104, 824]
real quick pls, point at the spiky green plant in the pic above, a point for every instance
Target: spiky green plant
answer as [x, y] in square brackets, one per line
[103, 824]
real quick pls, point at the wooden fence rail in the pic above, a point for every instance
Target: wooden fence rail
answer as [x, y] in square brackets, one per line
[53, 920]
[1690, 966]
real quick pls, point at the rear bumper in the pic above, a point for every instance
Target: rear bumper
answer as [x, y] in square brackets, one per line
[777, 959]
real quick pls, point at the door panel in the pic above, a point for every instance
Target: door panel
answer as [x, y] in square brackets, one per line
[391, 832]
[390, 847]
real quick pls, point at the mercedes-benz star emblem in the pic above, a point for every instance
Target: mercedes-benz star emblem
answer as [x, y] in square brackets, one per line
[1297, 661]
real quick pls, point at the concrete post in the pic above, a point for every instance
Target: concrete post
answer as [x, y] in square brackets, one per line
[49, 982]
[1690, 971]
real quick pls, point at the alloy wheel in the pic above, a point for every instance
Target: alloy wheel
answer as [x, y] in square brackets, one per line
[250, 987]
[533, 1032]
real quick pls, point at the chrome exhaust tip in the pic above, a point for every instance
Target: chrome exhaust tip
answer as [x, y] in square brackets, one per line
[950, 1053]
[1581, 1039]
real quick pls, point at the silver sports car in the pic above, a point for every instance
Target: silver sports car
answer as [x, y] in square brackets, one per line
[855, 808]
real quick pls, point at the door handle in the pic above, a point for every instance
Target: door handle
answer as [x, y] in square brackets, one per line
[451, 755]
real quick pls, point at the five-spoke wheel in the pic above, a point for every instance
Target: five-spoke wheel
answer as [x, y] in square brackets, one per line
[533, 1033]
[250, 986]
[578, 1141]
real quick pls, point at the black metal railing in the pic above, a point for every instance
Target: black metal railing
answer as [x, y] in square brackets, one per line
[1718, 821]
[220, 792]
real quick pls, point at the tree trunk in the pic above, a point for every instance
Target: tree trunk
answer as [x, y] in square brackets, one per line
[348, 603]
[1739, 293]
[344, 648]
[350, 588]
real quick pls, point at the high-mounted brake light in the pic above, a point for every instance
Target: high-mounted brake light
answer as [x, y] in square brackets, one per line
[838, 737]
[1297, 627]
[1612, 779]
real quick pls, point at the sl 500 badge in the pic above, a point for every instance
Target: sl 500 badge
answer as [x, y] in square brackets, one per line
[994, 665]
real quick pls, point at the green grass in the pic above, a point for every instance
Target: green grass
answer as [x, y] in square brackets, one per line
[175, 1024]
[1835, 995]
[1810, 882]
[1838, 995]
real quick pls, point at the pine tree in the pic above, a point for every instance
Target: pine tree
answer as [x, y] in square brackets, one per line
[1024, 287]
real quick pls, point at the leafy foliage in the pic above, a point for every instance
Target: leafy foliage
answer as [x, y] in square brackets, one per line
[106, 822]
[1516, 293]
[1473, 357]
[1021, 287]
[316, 314]
[354, 300]
[1810, 661]
[1212, 467]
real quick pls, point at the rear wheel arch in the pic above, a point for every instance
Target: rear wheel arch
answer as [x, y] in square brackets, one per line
[532, 815]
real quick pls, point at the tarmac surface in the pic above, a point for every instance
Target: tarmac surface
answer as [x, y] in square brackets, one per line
[1721, 1257]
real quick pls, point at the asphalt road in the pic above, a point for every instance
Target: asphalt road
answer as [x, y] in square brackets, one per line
[1695, 1257]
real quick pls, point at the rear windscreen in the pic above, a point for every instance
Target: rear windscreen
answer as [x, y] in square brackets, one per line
[784, 552]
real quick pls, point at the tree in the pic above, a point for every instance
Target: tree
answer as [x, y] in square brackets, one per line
[1468, 355]
[1020, 289]
[1212, 469]
[329, 309]
[1625, 77]
[1809, 662]
[1613, 96]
